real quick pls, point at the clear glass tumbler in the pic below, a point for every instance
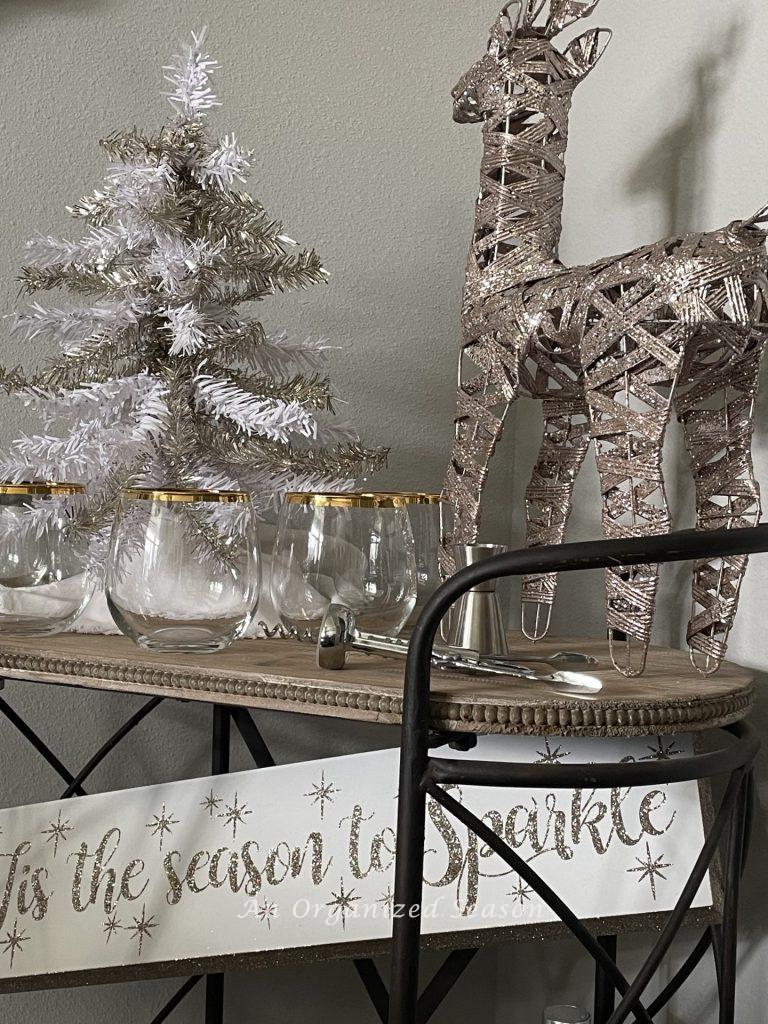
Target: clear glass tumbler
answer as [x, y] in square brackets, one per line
[344, 548]
[424, 512]
[566, 1015]
[45, 579]
[184, 569]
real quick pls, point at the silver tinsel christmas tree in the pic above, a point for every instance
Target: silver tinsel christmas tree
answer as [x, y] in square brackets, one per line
[161, 380]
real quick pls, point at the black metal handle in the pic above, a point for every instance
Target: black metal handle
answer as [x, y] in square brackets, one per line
[681, 546]
[420, 774]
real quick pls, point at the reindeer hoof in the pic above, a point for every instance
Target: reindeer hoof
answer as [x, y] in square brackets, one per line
[705, 664]
[535, 620]
[628, 654]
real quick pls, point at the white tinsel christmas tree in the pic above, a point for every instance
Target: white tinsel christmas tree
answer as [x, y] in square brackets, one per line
[160, 379]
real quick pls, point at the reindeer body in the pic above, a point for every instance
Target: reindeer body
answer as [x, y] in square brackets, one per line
[610, 349]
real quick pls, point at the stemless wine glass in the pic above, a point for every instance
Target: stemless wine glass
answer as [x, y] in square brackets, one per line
[424, 513]
[346, 548]
[184, 569]
[45, 579]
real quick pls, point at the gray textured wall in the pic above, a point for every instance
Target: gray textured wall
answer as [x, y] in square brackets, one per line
[347, 106]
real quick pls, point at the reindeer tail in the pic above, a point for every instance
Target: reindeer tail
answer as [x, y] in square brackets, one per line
[758, 220]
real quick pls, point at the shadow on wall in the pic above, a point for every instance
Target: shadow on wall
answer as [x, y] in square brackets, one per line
[676, 170]
[676, 166]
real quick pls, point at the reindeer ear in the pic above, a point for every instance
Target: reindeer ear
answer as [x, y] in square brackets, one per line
[563, 13]
[586, 50]
[506, 25]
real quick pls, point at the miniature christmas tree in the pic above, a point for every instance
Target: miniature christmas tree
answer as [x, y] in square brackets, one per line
[161, 380]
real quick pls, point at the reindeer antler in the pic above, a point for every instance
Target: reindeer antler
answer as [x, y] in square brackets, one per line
[533, 9]
[563, 13]
[523, 14]
[506, 25]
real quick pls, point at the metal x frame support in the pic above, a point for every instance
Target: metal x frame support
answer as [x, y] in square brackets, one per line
[423, 777]
[223, 718]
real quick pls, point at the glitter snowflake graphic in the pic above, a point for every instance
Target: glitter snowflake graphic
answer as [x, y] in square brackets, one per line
[522, 893]
[663, 751]
[267, 912]
[13, 943]
[142, 927]
[57, 832]
[162, 824]
[387, 900]
[211, 803]
[551, 755]
[111, 925]
[650, 868]
[343, 903]
[322, 792]
[234, 814]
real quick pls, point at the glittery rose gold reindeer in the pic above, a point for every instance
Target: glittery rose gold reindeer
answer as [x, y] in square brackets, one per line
[610, 348]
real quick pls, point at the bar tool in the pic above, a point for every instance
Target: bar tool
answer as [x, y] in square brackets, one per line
[476, 623]
[339, 635]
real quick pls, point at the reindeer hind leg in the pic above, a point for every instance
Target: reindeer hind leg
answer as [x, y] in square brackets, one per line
[716, 412]
[631, 355]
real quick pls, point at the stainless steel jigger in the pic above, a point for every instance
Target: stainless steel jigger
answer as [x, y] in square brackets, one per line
[338, 635]
[476, 623]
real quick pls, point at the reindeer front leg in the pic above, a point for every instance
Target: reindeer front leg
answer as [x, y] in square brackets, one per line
[482, 404]
[549, 500]
[716, 411]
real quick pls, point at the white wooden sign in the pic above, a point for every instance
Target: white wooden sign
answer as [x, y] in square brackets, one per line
[302, 855]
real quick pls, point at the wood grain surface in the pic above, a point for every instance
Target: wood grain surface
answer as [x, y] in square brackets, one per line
[282, 675]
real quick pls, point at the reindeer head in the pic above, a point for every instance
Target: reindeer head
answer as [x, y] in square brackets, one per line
[522, 60]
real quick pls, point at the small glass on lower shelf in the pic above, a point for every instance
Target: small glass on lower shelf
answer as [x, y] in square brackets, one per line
[45, 581]
[566, 1015]
[184, 569]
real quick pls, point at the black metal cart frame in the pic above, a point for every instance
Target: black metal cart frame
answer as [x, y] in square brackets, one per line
[423, 776]
[223, 718]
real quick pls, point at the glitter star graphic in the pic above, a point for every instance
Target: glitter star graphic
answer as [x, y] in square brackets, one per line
[650, 868]
[387, 899]
[111, 925]
[322, 792]
[162, 824]
[211, 803]
[521, 893]
[550, 756]
[662, 751]
[266, 912]
[234, 814]
[14, 941]
[57, 832]
[342, 903]
[142, 927]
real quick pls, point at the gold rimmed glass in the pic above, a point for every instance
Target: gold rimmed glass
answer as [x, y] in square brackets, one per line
[45, 575]
[351, 548]
[184, 569]
[425, 513]
[361, 499]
